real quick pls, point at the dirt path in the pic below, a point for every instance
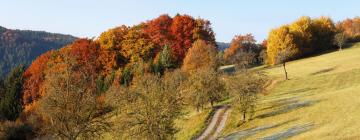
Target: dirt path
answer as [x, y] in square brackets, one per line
[221, 125]
[216, 124]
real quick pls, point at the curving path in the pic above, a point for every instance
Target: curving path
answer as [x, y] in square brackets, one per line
[216, 124]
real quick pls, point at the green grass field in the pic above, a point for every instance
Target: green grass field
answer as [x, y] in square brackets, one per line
[320, 101]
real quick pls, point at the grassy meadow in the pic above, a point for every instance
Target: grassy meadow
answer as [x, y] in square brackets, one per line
[320, 101]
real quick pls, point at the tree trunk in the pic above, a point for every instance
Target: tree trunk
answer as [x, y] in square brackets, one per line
[244, 117]
[286, 76]
[340, 47]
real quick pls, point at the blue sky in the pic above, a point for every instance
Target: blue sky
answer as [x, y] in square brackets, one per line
[88, 18]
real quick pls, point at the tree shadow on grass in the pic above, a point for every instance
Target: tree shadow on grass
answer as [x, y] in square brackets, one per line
[296, 91]
[288, 108]
[293, 131]
[276, 102]
[323, 71]
[252, 131]
[279, 103]
[293, 93]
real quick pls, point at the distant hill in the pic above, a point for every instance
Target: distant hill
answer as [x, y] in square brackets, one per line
[23, 46]
[222, 46]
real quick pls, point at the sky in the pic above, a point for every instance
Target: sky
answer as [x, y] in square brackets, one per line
[88, 18]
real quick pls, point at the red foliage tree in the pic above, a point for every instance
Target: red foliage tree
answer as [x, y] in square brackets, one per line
[182, 30]
[159, 30]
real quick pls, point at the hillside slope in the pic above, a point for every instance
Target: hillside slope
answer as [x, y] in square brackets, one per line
[320, 101]
[23, 46]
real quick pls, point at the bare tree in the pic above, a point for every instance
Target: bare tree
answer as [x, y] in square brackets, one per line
[244, 89]
[340, 40]
[70, 106]
[283, 56]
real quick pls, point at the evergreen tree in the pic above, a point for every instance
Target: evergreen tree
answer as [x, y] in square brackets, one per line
[10, 104]
[166, 59]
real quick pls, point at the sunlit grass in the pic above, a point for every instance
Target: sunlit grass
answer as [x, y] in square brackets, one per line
[323, 91]
[191, 124]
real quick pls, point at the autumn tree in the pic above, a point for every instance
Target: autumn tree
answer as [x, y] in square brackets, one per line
[280, 39]
[136, 46]
[110, 42]
[83, 50]
[200, 56]
[203, 31]
[34, 78]
[351, 28]
[323, 30]
[70, 105]
[244, 89]
[112, 38]
[10, 103]
[182, 30]
[203, 87]
[240, 43]
[243, 51]
[340, 40]
[305, 36]
[159, 30]
[108, 61]
[301, 30]
[149, 108]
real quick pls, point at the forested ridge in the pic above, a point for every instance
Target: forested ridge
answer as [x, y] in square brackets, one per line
[23, 46]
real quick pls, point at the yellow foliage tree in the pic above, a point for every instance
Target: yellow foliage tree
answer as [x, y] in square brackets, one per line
[303, 37]
[279, 40]
[113, 37]
[301, 30]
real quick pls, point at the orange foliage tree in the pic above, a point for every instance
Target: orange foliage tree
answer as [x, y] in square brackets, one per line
[83, 51]
[240, 42]
[200, 56]
[34, 78]
[351, 28]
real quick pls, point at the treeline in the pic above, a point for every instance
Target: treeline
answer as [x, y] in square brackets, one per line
[23, 46]
[68, 87]
[307, 36]
[132, 82]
